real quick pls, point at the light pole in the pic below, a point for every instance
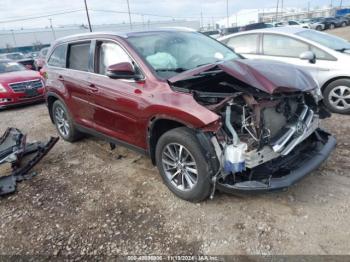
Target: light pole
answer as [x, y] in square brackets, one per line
[227, 15]
[87, 14]
[14, 38]
[277, 10]
[127, 1]
[53, 31]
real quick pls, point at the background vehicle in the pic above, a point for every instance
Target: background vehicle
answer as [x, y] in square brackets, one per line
[214, 33]
[255, 26]
[19, 85]
[325, 56]
[314, 24]
[344, 21]
[189, 102]
[39, 61]
[298, 24]
[331, 22]
[20, 58]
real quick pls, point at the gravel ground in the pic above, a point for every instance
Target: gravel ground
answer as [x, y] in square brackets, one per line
[88, 200]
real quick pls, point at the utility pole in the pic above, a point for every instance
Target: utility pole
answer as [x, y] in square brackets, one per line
[53, 31]
[88, 17]
[202, 26]
[277, 10]
[341, 4]
[308, 9]
[14, 38]
[282, 14]
[127, 1]
[227, 14]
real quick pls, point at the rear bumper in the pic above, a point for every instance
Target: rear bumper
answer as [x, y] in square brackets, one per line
[306, 164]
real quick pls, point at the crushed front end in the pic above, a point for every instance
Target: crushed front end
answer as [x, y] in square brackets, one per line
[268, 139]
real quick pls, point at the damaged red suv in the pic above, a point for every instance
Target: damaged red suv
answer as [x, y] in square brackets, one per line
[207, 118]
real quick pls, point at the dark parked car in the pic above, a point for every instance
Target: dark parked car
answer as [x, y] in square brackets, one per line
[19, 85]
[344, 21]
[330, 22]
[206, 117]
[19, 57]
[255, 26]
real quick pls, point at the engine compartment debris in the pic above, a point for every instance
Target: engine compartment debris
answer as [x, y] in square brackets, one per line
[17, 158]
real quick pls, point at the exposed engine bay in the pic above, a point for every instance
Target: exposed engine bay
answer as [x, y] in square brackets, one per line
[257, 127]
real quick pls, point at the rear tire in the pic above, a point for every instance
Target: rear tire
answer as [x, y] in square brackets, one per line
[331, 26]
[64, 122]
[182, 165]
[337, 96]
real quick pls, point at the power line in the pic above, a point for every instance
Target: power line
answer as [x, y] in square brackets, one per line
[40, 16]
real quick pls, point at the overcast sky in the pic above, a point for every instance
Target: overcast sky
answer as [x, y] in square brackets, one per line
[211, 9]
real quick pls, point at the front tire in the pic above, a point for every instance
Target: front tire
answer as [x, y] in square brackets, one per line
[182, 165]
[319, 28]
[64, 123]
[337, 96]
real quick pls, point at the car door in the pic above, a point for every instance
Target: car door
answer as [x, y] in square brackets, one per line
[117, 103]
[246, 44]
[287, 49]
[76, 79]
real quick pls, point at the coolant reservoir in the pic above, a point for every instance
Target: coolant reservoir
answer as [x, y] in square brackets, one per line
[234, 161]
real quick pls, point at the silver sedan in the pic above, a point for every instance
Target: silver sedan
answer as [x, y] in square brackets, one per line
[325, 56]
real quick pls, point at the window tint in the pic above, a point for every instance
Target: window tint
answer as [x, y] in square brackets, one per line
[292, 23]
[58, 57]
[321, 54]
[277, 45]
[110, 54]
[79, 56]
[245, 44]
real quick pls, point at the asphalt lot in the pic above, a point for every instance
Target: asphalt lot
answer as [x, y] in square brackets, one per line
[88, 200]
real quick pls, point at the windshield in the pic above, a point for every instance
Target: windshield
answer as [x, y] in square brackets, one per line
[327, 40]
[170, 53]
[7, 67]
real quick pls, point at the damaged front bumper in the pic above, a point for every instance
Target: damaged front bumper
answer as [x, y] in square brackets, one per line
[284, 171]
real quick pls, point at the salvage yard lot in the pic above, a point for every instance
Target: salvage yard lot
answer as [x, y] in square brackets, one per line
[88, 200]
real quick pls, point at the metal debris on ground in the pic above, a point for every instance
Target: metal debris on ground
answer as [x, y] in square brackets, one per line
[17, 158]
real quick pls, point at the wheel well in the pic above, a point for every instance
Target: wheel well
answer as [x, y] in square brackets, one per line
[50, 101]
[332, 80]
[156, 129]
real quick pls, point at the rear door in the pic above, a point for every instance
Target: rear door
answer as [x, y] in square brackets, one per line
[287, 49]
[117, 103]
[77, 82]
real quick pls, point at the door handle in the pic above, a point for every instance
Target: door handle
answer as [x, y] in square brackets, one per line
[60, 77]
[93, 88]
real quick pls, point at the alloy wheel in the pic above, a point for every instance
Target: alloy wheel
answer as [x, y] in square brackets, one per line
[339, 97]
[179, 166]
[61, 121]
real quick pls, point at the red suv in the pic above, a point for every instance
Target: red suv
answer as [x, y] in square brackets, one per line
[207, 118]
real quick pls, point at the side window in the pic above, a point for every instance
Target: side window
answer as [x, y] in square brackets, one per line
[321, 54]
[78, 56]
[292, 23]
[58, 57]
[278, 45]
[245, 44]
[110, 54]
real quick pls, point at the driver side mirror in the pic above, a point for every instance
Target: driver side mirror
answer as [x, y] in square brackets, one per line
[124, 70]
[308, 55]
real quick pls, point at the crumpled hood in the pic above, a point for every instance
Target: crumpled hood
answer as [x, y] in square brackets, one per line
[266, 75]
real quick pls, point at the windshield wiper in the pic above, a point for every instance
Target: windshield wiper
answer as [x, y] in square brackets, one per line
[342, 50]
[177, 70]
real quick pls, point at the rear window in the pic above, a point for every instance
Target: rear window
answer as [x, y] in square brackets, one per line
[58, 57]
[78, 57]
